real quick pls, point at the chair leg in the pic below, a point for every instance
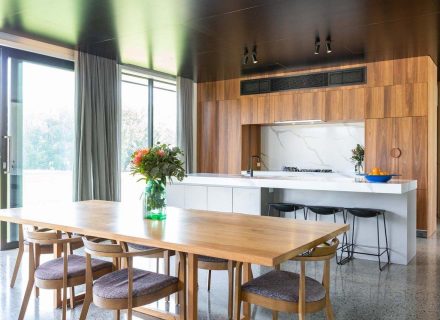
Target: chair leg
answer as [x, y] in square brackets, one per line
[230, 288]
[117, 314]
[329, 310]
[86, 305]
[17, 264]
[72, 297]
[177, 261]
[26, 298]
[209, 280]
[166, 267]
[274, 315]
[157, 265]
[37, 264]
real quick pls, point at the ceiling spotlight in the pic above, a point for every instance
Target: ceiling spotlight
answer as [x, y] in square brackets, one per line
[328, 46]
[254, 55]
[245, 58]
[317, 46]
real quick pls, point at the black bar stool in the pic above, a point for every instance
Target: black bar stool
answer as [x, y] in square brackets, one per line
[349, 248]
[282, 208]
[325, 211]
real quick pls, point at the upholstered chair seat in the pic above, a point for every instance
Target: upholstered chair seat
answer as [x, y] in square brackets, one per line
[211, 259]
[115, 285]
[284, 285]
[76, 266]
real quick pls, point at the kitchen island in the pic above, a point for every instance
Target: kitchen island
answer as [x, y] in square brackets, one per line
[244, 194]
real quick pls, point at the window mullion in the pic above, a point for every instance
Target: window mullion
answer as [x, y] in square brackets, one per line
[150, 112]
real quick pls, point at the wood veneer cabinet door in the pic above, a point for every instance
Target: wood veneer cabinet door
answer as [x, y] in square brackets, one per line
[411, 137]
[333, 105]
[353, 104]
[284, 107]
[409, 100]
[207, 153]
[256, 110]
[229, 136]
[379, 140]
[310, 105]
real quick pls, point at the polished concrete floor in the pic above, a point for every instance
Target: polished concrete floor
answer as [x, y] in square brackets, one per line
[358, 290]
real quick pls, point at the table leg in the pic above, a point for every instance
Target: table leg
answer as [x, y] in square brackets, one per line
[192, 286]
[247, 276]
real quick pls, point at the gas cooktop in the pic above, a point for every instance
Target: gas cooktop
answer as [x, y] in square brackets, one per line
[295, 169]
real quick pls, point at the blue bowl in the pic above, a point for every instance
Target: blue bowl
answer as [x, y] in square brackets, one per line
[378, 178]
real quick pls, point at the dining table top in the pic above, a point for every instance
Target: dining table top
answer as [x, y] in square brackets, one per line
[239, 237]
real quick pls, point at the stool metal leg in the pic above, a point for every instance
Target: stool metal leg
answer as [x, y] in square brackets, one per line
[305, 214]
[269, 209]
[386, 238]
[378, 240]
[352, 240]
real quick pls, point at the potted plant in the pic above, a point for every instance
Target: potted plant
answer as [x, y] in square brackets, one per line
[157, 166]
[357, 157]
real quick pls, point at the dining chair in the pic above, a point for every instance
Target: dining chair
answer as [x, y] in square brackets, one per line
[210, 264]
[128, 288]
[61, 273]
[23, 246]
[284, 291]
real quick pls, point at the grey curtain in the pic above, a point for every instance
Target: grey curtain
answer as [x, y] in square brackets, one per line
[97, 129]
[185, 120]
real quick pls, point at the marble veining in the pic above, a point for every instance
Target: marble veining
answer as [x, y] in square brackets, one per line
[321, 146]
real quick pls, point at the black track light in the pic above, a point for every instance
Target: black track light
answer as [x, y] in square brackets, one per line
[245, 58]
[328, 46]
[317, 46]
[254, 55]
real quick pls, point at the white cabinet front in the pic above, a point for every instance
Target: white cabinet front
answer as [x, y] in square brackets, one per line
[196, 197]
[220, 199]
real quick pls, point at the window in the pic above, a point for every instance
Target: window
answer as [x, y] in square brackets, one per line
[149, 115]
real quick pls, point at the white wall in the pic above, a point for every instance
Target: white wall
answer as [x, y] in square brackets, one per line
[322, 146]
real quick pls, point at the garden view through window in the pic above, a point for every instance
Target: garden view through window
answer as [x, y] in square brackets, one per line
[149, 115]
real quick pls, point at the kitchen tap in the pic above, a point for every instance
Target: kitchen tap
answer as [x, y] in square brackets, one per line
[251, 164]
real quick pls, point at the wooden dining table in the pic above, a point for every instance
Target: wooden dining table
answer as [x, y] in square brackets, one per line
[249, 239]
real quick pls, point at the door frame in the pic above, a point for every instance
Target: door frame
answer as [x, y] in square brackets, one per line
[5, 54]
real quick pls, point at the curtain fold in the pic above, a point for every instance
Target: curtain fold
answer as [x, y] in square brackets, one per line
[97, 129]
[185, 120]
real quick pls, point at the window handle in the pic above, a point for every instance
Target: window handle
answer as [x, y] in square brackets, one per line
[7, 163]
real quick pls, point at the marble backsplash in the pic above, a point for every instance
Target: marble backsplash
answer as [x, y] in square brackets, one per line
[320, 146]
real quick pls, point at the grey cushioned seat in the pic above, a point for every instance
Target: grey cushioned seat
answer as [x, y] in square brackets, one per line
[115, 285]
[284, 285]
[139, 247]
[211, 259]
[76, 266]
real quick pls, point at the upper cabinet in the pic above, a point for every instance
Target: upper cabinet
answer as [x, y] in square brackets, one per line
[256, 110]
[406, 100]
[345, 105]
[310, 105]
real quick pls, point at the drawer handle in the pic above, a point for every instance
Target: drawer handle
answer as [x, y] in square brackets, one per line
[396, 153]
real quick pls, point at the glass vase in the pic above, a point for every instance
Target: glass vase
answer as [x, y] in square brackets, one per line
[155, 200]
[359, 168]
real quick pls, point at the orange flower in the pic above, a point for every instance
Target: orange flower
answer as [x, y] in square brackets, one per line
[160, 153]
[137, 159]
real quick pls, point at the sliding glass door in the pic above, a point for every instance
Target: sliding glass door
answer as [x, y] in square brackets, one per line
[37, 132]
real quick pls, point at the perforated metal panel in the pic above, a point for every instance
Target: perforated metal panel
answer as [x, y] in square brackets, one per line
[313, 80]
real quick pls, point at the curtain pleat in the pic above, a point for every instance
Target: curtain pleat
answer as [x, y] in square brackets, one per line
[98, 123]
[185, 120]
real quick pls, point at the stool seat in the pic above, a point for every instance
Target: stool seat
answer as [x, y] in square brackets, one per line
[283, 207]
[324, 210]
[365, 212]
[286, 207]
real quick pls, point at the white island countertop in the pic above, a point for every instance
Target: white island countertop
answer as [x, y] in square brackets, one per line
[300, 181]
